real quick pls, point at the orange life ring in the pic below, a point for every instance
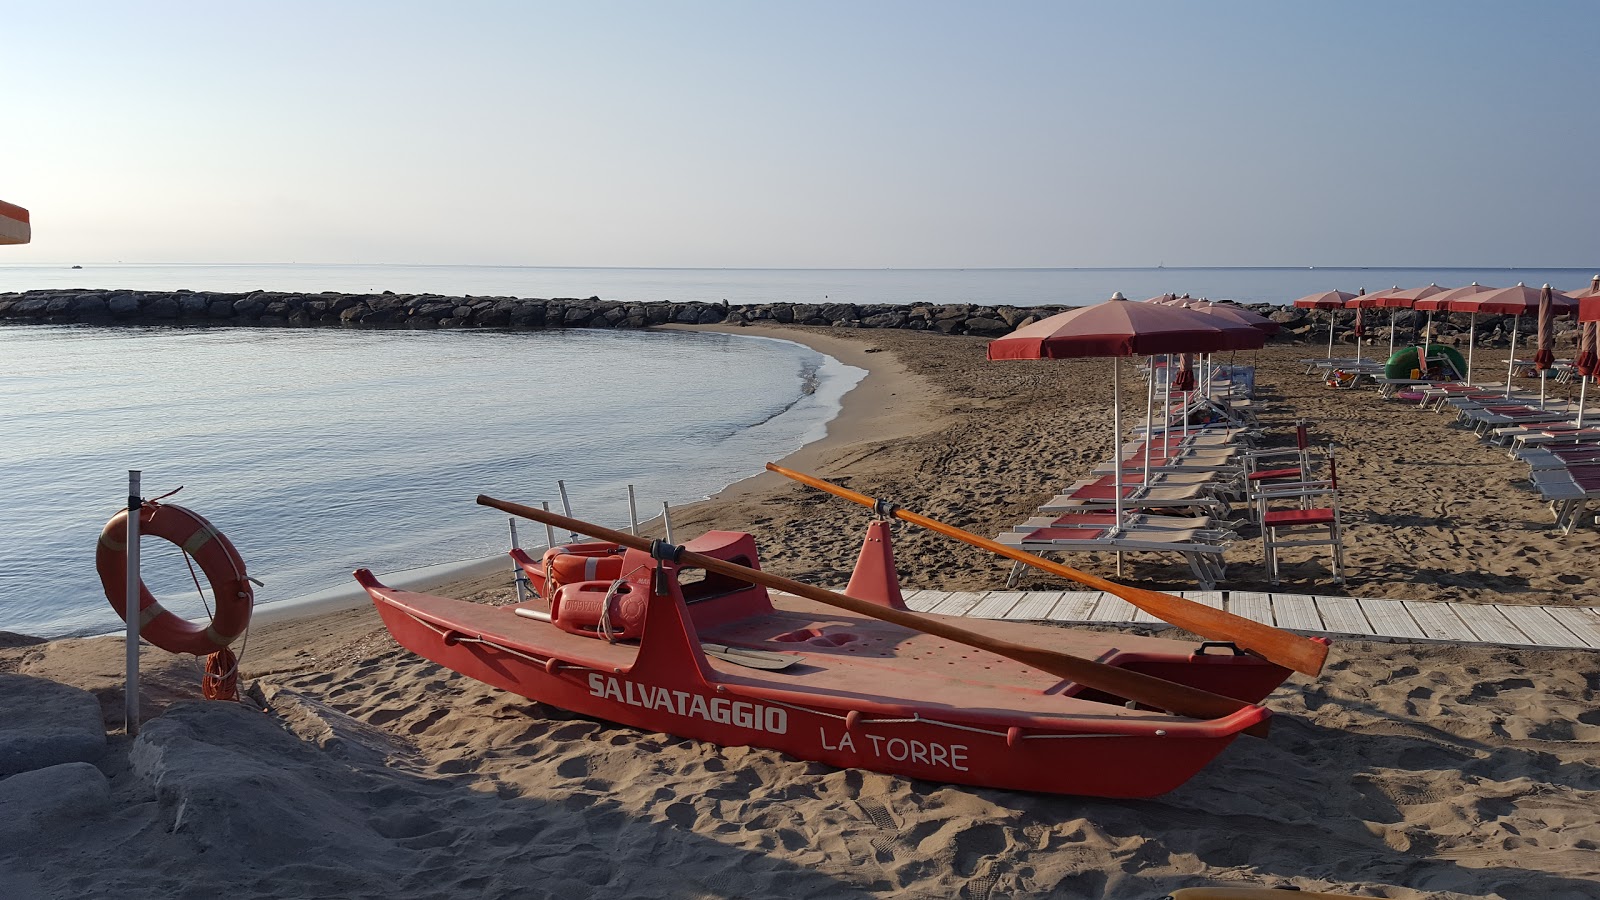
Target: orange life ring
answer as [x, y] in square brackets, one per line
[218, 559]
[571, 563]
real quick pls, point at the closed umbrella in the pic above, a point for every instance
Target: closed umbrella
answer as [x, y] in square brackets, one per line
[1544, 357]
[14, 227]
[1118, 328]
[1330, 301]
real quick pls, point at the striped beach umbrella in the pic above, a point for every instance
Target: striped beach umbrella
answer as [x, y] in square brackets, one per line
[14, 227]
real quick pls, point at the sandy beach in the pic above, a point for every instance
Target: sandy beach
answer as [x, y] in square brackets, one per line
[355, 769]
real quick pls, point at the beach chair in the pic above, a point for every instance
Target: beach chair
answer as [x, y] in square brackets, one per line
[1568, 491]
[1560, 456]
[1091, 495]
[1201, 548]
[1287, 527]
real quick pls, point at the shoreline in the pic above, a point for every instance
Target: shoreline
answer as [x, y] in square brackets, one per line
[858, 417]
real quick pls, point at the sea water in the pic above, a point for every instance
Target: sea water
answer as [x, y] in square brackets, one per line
[1019, 287]
[320, 451]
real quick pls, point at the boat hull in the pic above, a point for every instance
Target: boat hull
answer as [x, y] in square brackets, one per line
[860, 694]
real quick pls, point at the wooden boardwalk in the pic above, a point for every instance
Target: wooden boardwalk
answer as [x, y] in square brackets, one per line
[1546, 627]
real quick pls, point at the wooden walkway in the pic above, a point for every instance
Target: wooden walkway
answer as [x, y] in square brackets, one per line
[1546, 627]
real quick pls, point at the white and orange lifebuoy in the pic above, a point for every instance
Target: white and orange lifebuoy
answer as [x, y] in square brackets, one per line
[570, 563]
[217, 558]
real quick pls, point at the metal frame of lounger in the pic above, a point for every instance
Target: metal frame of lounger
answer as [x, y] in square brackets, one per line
[1204, 556]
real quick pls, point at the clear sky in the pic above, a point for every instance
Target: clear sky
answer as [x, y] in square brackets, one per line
[804, 133]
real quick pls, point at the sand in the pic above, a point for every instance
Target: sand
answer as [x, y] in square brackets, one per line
[1404, 770]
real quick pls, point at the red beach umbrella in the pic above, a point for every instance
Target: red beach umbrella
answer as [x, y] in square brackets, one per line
[1396, 298]
[1453, 300]
[1330, 301]
[1544, 358]
[1237, 314]
[1593, 290]
[14, 226]
[1118, 328]
[1515, 301]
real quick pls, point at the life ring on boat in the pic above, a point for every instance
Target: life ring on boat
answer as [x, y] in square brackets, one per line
[1404, 361]
[571, 563]
[210, 548]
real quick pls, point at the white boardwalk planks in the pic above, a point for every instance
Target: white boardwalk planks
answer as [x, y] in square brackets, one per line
[1582, 623]
[1463, 623]
[995, 604]
[1389, 618]
[1113, 610]
[1537, 623]
[1034, 606]
[1296, 612]
[1253, 605]
[1343, 615]
[1490, 625]
[958, 603]
[1075, 606]
[1438, 622]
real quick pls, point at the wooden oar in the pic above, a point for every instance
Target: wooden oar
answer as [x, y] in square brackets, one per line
[1150, 691]
[1288, 650]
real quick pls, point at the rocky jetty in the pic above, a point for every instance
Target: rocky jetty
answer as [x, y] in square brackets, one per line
[431, 311]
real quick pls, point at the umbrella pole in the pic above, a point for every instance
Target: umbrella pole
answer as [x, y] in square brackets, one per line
[1331, 314]
[1583, 388]
[1392, 314]
[1511, 363]
[1166, 406]
[1472, 338]
[1116, 443]
[1149, 420]
[1358, 339]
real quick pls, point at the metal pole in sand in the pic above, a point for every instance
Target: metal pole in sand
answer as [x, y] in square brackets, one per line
[130, 701]
[549, 533]
[1511, 364]
[567, 507]
[633, 514]
[518, 577]
[1149, 413]
[666, 520]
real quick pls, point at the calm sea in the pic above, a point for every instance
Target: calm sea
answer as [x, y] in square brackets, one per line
[1022, 287]
[319, 451]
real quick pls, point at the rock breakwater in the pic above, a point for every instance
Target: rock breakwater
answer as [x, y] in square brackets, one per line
[431, 311]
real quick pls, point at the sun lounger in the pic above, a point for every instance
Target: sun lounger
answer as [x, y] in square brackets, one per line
[1569, 491]
[1088, 494]
[1560, 457]
[1202, 549]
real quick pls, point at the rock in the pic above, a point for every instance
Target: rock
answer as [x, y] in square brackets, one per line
[43, 723]
[39, 802]
[123, 305]
[986, 327]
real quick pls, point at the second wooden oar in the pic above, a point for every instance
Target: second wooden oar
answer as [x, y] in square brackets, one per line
[1288, 650]
[1154, 692]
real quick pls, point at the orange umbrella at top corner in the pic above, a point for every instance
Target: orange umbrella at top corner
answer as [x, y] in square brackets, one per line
[14, 226]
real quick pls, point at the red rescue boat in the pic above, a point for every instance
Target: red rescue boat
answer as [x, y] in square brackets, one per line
[702, 655]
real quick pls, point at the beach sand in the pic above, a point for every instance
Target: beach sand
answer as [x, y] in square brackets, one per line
[1405, 770]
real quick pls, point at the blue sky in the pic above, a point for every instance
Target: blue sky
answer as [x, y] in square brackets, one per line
[828, 134]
